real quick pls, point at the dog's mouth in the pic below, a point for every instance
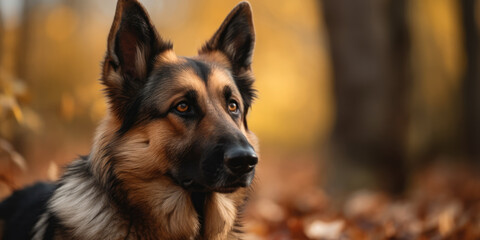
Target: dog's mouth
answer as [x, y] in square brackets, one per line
[191, 185]
[226, 189]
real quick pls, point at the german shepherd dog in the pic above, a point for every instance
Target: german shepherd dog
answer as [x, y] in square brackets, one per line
[172, 159]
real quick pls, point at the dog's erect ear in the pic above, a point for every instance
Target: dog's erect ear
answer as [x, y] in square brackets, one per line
[235, 38]
[133, 44]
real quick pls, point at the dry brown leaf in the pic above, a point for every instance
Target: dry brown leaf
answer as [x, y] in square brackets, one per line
[324, 230]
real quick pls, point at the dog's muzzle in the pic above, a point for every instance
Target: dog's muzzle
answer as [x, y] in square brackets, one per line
[225, 169]
[240, 160]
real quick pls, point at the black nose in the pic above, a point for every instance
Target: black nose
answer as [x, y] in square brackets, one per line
[240, 160]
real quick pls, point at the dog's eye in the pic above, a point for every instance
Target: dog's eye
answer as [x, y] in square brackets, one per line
[182, 107]
[233, 107]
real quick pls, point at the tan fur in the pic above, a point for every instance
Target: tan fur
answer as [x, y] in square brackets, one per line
[222, 210]
[140, 63]
[218, 80]
[114, 78]
[215, 57]
[103, 136]
[167, 57]
[166, 206]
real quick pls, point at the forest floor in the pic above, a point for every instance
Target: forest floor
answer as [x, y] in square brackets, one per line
[443, 202]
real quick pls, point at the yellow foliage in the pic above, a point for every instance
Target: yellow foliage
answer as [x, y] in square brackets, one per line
[61, 23]
[68, 106]
[291, 62]
[17, 112]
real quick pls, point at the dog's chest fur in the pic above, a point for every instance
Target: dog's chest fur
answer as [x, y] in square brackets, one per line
[81, 209]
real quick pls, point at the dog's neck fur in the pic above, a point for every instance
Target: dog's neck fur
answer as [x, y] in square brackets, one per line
[89, 208]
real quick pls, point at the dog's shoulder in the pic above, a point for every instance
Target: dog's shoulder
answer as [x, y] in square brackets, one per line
[22, 209]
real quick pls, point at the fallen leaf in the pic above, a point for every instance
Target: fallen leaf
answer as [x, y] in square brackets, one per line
[324, 230]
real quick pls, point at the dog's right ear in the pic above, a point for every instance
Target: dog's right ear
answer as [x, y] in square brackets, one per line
[133, 44]
[235, 38]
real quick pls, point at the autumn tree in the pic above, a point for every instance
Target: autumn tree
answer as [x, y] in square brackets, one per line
[369, 51]
[471, 80]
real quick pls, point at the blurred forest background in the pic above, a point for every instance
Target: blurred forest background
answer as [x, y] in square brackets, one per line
[353, 94]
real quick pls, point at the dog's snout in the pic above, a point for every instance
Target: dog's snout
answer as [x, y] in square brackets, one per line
[240, 160]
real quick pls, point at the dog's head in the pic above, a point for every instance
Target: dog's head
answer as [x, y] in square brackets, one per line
[181, 117]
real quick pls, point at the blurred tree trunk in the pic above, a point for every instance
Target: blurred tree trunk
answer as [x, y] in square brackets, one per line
[471, 81]
[369, 51]
[1, 38]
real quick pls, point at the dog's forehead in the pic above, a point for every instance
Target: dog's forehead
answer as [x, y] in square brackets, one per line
[171, 69]
[173, 75]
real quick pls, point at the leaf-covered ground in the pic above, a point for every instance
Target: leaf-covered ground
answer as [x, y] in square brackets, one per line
[443, 202]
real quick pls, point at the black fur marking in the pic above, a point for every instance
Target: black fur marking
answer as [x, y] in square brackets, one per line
[130, 225]
[79, 168]
[113, 64]
[199, 200]
[131, 116]
[214, 160]
[155, 114]
[113, 185]
[52, 224]
[164, 74]
[201, 69]
[244, 83]
[23, 209]
[227, 93]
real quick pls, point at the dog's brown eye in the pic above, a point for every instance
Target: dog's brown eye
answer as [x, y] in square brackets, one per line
[233, 107]
[182, 107]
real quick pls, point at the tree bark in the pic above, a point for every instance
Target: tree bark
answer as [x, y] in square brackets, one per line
[471, 80]
[369, 52]
[2, 36]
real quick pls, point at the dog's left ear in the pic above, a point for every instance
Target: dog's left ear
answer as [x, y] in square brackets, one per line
[235, 38]
[133, 45]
